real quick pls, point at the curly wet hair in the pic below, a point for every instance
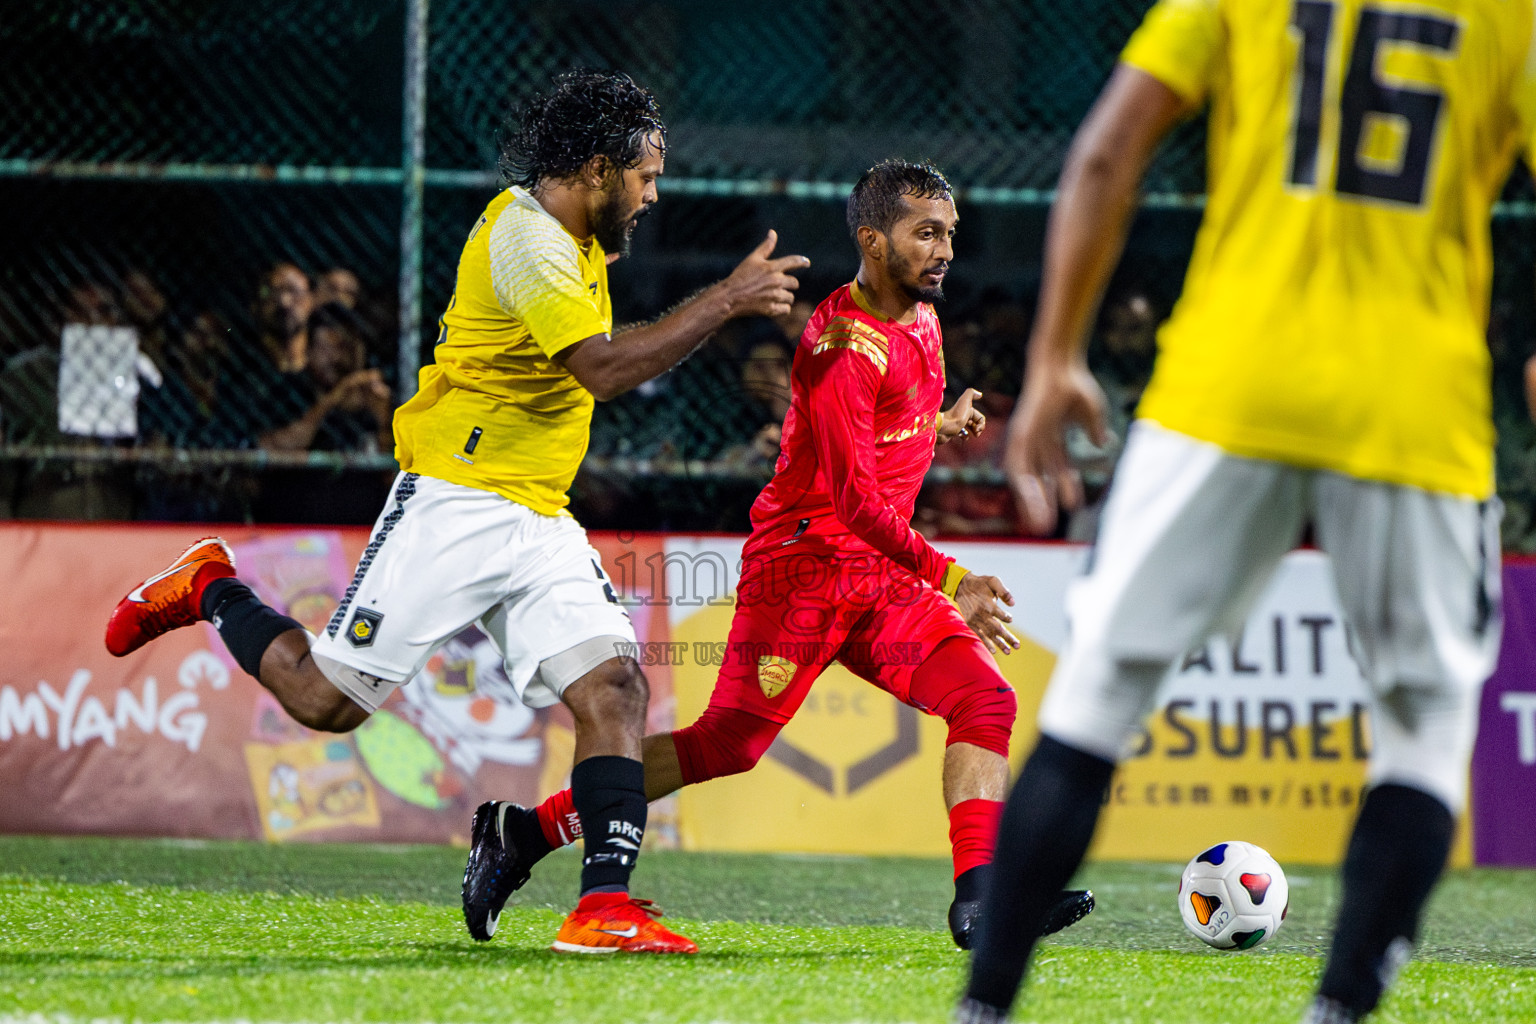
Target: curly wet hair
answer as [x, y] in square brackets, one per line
[585, 114]
[876, 200]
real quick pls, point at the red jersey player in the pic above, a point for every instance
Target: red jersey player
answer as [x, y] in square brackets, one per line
[833, 569]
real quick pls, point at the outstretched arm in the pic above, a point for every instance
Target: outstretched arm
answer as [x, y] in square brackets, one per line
[1095, 201]
[759, 286]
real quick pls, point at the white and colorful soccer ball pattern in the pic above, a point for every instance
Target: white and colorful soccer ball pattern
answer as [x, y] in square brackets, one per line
[1233, 896]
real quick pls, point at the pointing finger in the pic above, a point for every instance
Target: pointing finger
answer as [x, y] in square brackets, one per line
[765, 247]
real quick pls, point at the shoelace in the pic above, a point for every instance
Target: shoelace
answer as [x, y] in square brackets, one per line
[649, 906]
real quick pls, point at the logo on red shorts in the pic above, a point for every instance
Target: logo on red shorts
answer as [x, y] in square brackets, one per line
[774, 674]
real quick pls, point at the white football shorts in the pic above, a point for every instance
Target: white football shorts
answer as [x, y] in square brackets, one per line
[444, 556]
[1191, 535]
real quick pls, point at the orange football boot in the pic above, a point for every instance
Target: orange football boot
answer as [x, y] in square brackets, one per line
[613, 923]
[170, 599]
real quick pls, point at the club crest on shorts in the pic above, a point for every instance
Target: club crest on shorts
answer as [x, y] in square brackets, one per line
[774, 673]
[364, 626]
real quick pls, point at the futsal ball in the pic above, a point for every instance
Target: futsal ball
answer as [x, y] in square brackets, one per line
[1233, 896]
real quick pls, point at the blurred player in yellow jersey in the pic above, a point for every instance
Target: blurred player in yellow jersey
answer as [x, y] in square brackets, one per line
[476, 528]
[1326, 364]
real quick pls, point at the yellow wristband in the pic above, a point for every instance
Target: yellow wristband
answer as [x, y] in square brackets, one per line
[953, 574]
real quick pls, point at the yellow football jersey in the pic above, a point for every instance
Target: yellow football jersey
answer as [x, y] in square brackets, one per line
[496, 411]
[1334, 312]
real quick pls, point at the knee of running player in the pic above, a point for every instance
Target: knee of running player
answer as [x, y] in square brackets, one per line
[982, 715]
[613, 692]
[960, 683]
[326, 710]
[310, 694]
[724, 741]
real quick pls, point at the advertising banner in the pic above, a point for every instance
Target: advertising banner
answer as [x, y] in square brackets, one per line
[175, 740]
[1504, 761]
[1261, 736]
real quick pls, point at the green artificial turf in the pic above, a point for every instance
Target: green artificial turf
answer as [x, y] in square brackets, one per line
[156, 930]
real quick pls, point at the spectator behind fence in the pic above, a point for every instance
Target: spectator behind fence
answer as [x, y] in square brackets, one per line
[60, 489]
[334, 404]
[147, 309]
[93, 304]
[346, 406]
[29, 380]
[283, 304]
[338, 285]
[33, 384]
[764, 384]
[161, 404]
[792, 324]
[980, 353]
[960, 508]
[197, 407]
[200, 362]
[1120, 354]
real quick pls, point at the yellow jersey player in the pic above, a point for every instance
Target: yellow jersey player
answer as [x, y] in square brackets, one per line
[1326, 363]
[476, 528]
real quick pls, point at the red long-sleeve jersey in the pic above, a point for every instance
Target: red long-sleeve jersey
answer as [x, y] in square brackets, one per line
[865, 398]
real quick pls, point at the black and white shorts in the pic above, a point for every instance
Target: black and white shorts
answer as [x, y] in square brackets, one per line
[443, 556]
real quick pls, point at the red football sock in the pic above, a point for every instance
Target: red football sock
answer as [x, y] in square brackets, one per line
[205, 575]
[560, 824]
[597, 900]
[973, 832]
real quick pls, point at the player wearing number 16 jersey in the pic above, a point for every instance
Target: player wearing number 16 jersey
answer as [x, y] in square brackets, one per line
[1325, 364]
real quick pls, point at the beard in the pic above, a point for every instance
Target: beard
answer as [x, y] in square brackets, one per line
[282, 323]
[613, 223]
[902, 271]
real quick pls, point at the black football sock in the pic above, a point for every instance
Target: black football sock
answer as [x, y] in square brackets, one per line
[609, 794]
[1046, 828]
[246, 626]
[1396, 853]
[521, 826]
[969, 885]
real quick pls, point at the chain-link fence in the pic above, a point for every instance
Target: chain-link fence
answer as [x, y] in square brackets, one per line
[187, 180]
